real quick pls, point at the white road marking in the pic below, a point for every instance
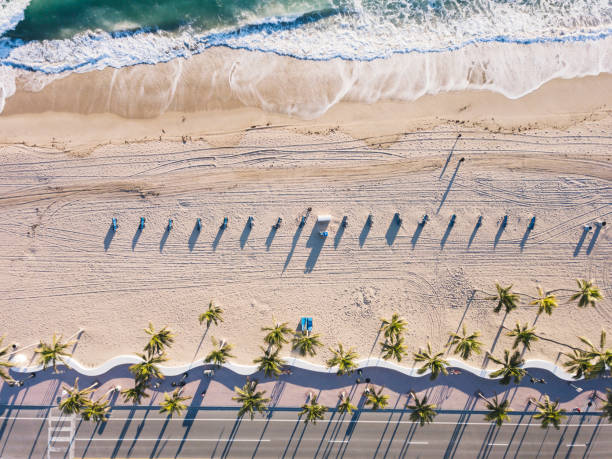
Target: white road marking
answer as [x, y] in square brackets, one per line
[577, 444]
[498, 444]
[226, 440]
[337, 441]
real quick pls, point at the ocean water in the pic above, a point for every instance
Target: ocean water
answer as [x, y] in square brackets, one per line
[420, 46]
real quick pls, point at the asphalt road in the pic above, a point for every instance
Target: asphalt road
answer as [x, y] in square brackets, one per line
[138, 433]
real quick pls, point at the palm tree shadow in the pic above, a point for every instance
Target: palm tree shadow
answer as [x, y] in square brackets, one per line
[110, 234]
[163, 240]
[231, 437]
[244, 237]
[417, 233]
[525, 237]
[593, 240]
[193, 238]
[218, 238]
[449, 228]
[296, 237]
[364, 233]
[192, 412]
[583, 236]
[136, 237]
[499, 331]
[450, 155]
[270, 238]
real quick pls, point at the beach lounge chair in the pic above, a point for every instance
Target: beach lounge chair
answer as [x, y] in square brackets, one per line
[479, 222]
[250, 222]
[531, 224]
[344, 223]
[452, 220]
[397, 218]
[224, 224]
[141, 225]
[370, 220]
[309, 324]
[114, 224]
[169, 224]
[587, 228]
[303, 322]
[323, 233]
[278, 223]
[505, 220]
[199, 224]
[303, 221]
[424, 220]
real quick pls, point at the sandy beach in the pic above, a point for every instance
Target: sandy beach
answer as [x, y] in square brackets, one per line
[545, 155]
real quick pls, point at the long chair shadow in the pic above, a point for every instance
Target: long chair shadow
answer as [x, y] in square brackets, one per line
[473, 235]
[270, 238]
[110, 234]
[498, 235]
[244, 237]
[136, 237]
[296, 237]
[417, 233]
[593, 240]
[392, 231]
[193, 238]
[525, 237]
[164, 239]
[315, 242]
[581, 241]
[449, 228]
[364, 233]
[218, 238]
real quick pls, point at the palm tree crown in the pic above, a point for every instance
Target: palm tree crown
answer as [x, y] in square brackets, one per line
[306, 344]
[277, 334]
[505, 298]
[466, 344]
[173, 404]
[549, 412]
[219, 354]
[498, 411]
[545, 302]
[393, 327]
[135, 394]
[76, 398]
[602, 356]
[345, 405]
[433, 362]
[579, 363]
[214, 314]
[523, 335]
[96, 411]
[252, 400]
[313, 411]
[394, 348]
[149, 367]
[376, 399]
[606, 407]
[510, 368]
[52, 353]
[587, 293]
[158, 341]
[345, 360]
[4, 375]
[422, 412]
[270, 363]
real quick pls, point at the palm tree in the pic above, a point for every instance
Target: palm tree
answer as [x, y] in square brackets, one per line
[277, 334]
[545, 302]
[579, 363]
[602, 356]
[251, 399]
[433, 362]
[498, 412]
[136, 394]
[466, 344]
[549, 413]
[587, 293]
[523, 335]
[393, 327]
[159, 340]
[376, 399]
[306, 344]
[219, 354]
[76, 398]
[149, 367]
[606, 407]
[52, 353]
[270, 363]
[505, 298]
[96, 411]
[510, 368]
[4, 375]
[345, 405]
[214, 314]
[173, 404]
[394, 348]
[422, 412]
[314, 411]
[345, 360]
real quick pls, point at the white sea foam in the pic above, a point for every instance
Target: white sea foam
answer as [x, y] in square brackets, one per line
[11, 13]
